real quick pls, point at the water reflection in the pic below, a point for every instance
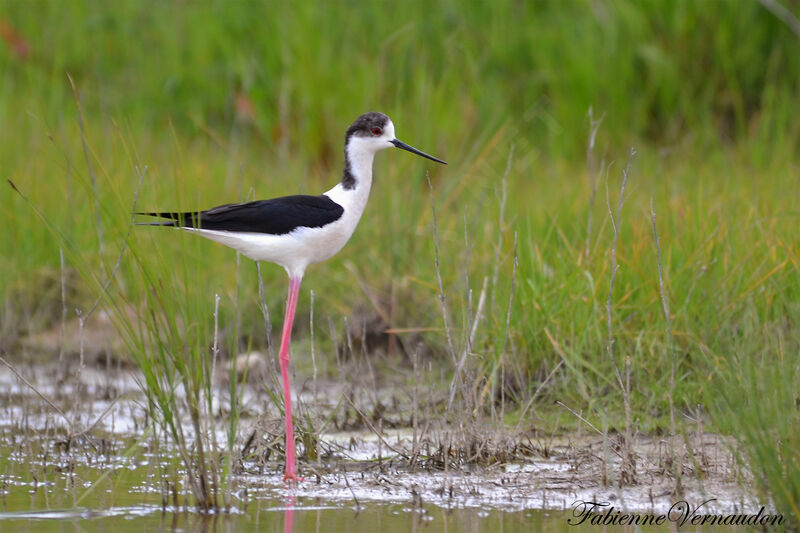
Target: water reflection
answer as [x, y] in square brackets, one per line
[307, 514]
[288, 515]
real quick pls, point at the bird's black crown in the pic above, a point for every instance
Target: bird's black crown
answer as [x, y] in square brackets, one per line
[363, 125]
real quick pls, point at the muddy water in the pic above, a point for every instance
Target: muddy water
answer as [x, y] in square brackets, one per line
[385, 518]
[126, 505]
[304, 516]
[106, 481]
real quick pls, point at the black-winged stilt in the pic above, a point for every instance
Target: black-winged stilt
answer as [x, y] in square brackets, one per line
[296, 231]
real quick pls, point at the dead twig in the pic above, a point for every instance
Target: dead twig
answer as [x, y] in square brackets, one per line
[667, 321]
[615, 222]
[783, 14]
[628, 469]
[352, 493]
[470, 342]
[508, 330]
[262, 302]
[71, 432]
[579, 417]
[503, 198]
[38, 393]
[375, 431]
[442, 296]
[594, 127]
[92, 175]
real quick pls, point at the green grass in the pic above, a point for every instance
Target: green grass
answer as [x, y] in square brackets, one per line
[711, 114]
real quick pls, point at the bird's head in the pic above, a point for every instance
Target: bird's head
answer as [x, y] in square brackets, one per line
[374, 131]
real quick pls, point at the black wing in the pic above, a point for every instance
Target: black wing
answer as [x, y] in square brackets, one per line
[277, 216]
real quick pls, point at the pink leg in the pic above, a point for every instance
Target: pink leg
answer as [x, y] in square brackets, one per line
[291, 305]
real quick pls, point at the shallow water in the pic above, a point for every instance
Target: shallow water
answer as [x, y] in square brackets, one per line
[302, 516]
[274, 516]
[109, 482]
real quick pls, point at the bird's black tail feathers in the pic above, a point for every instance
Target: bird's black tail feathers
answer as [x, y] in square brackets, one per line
[179, 220]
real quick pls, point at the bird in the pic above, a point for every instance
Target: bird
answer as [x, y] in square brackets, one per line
[299, 230]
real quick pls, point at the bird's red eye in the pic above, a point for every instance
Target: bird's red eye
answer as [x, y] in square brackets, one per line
[377, 131]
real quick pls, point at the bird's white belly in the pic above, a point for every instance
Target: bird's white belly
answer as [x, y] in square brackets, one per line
[294, 251]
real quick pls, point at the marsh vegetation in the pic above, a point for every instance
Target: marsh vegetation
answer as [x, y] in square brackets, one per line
[547, 288]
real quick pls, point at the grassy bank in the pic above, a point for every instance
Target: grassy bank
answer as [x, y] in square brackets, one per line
[214, 103]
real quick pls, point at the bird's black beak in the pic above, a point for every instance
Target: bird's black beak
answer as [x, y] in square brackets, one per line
[400, 144]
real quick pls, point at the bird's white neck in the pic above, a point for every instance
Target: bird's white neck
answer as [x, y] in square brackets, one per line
[352, 192]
